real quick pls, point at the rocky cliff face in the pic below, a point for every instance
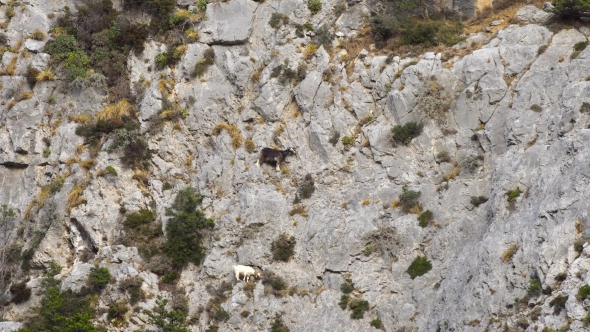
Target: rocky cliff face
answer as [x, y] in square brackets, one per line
[501, 112]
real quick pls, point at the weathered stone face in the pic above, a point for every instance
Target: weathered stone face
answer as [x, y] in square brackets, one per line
[509, 114]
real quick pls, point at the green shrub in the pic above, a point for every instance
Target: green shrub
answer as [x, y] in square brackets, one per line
[61, 311]
[566, 9]
[142, 217]
[359, 307]
[117, 311]
[202, 4]
[62, 44]
[20, 292]
[276, 282]
[432, 33]
[221, 315]
[343, 301]
[99, 277]
[347, 141]
[111, 170]
[306, 188]
[585, 108]
[347, 288]
[425, 218]
[534, 287]
[584, 292]
[377, 323]
[283, 248]
[278, 325]
[408, 199]
[170, 278]
[323, 36]
[314, 6]
[46, 153]
[404, 134]
[586, 319]
[383, 27]
[183, 231]
[478, 200]
[166, 186]
[419, 267]
[165, 320]
[513, 194]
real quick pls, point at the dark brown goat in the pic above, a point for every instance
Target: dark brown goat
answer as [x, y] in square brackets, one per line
[268, 155]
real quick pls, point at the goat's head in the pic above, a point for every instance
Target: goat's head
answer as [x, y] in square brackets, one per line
[290, 151]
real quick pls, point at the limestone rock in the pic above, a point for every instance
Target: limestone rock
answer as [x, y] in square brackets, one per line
[532, 14]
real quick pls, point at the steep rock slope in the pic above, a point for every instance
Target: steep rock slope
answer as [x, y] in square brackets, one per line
[509, 115]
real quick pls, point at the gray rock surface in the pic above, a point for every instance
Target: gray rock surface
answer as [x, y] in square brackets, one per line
[532, 14]
[510, 114]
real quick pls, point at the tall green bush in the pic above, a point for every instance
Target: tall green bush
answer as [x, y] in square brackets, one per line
[572, 8]
[183, 231]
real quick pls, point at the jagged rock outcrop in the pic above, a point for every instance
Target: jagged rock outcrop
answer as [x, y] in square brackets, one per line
[510, 114]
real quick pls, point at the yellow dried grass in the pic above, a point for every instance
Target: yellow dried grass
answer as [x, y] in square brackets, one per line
[114, 113]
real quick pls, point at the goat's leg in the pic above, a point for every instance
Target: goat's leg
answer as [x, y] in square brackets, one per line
[237, 276]
[278, 168]
[258, 162]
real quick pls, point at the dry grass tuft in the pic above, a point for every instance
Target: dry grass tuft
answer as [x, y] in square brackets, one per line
[114, 113]
[11, 104]
[298, 209]
[75, 197]
[10, 69]
[26, 95]
[233, 131]
[509, 253]
[38, 35]
[81, 119]
[249, 145]
[46, 75]
[86, 164]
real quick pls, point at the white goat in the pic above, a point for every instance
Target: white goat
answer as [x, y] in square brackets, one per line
[247, 271]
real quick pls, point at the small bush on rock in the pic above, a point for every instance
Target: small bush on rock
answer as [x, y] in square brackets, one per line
[347, 141]
[513, 194]
[343, 304]
[408, 199]
[419, 267]
[99, 277]
[534, 287]
[202, 66]
[425, 218]
[584, 292]
[314, 6]
[347, 288]
[404, 134]
[183, 231]
[165, 320]
[20, 292]
[377, 323]
[283, 248]
[306, 188]
[358, 307]
[278, 325]
[117, 311]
